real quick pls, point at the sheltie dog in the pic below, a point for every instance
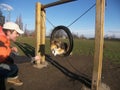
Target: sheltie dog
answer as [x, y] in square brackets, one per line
[58, 47]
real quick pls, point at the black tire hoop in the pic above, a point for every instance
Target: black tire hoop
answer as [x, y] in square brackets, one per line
[70, 38]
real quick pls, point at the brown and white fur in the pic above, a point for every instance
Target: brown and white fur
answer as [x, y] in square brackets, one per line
[58, 47]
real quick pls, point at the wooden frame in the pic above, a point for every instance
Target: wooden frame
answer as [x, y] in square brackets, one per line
[99, 38]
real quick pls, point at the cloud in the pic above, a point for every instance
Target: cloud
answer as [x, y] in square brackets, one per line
[6, 7]
[113, 33]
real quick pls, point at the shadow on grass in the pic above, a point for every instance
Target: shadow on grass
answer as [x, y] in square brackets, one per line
[29, 51]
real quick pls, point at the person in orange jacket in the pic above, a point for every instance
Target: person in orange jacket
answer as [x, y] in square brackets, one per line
[9, 32]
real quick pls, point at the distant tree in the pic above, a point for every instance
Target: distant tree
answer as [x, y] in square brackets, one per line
[26, 32]
[19, 21]
[75, 35]
[82, 37]
[109, 37]
[2, 19]
[32, 33]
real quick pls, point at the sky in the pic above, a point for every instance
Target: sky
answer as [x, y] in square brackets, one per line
[65, 14]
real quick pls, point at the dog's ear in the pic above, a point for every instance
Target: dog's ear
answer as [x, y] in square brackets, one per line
[52, 42]
[55, 42]
[64, 46]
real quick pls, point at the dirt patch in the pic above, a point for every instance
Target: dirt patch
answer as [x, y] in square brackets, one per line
[53, 77]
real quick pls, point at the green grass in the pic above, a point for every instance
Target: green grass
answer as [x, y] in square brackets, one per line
[82, 47]
[112, 50]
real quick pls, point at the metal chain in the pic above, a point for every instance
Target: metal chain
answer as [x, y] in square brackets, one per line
[81, 15]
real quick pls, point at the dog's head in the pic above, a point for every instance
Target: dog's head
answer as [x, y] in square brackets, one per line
[56, 48]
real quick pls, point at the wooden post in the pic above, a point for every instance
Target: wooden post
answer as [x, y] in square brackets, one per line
[43, 33]
[99, 40]
[37, 28]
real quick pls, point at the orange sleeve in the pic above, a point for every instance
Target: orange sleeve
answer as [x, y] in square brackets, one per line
[4, 49]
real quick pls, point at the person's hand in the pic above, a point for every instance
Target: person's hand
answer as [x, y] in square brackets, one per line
[14, 49]
[37, 57]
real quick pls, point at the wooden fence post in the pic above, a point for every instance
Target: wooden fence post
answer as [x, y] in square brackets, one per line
[37, 29]
[43, 34]
[99, 40]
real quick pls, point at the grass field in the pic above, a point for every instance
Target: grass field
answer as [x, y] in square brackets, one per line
[83, 47]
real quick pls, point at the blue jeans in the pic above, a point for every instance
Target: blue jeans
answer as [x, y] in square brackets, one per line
[8, 70]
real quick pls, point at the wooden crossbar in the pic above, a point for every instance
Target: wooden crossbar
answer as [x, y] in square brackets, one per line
[56, 3]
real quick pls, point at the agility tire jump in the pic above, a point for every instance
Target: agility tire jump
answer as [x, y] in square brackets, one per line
[56, 35]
